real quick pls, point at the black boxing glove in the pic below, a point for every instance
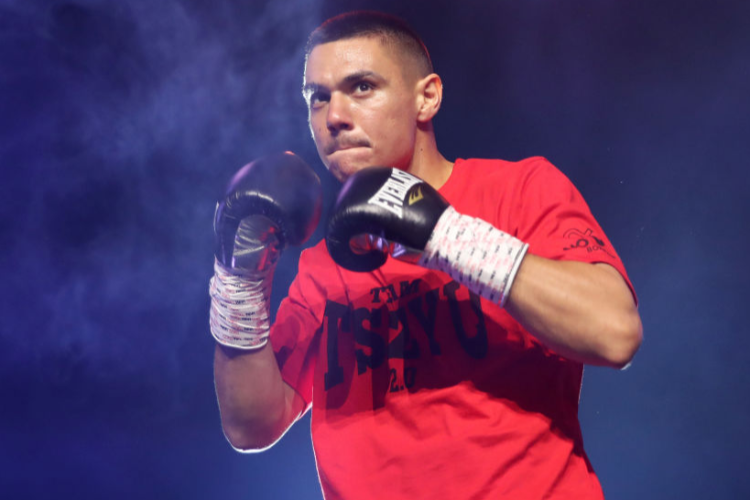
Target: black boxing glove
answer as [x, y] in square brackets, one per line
[384, 211]
[269, 204]
[390, 208]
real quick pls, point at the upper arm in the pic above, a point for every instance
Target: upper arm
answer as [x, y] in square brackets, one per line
[294, 335]
[620, 284]
[557, 223]
[295, 404]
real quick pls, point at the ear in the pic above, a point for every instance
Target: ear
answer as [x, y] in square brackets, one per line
[429, 97]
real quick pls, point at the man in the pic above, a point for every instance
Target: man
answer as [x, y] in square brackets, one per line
[424, 380]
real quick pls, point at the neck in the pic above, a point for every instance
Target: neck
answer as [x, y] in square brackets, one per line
[427, 163]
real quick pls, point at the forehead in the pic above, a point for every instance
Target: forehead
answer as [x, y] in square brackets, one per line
[330, 62]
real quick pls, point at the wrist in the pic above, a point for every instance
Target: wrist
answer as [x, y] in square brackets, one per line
[475, 254]
[240, 308]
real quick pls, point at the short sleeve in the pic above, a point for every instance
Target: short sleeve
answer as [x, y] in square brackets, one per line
[557, 223]
[295, 333]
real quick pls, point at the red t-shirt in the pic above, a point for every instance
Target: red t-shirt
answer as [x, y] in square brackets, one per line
[419, 388]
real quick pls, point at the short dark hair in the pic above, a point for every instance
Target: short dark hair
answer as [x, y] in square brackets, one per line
[364, 23]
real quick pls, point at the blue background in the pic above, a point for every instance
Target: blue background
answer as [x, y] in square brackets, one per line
[120, 122]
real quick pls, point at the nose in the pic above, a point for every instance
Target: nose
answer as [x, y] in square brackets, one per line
[339, 114]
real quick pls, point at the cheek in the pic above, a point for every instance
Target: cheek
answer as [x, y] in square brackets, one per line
[393, 124]
[316, 131]
[399, 133]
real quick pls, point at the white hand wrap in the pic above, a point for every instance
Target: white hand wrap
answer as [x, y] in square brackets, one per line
[240, 309]
[475, 254]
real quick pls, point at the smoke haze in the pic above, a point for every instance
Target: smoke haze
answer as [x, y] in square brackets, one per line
[121, 121]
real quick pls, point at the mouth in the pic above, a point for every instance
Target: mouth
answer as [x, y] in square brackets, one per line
[335, 147]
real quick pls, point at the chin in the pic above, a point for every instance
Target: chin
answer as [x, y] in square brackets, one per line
[343, 171]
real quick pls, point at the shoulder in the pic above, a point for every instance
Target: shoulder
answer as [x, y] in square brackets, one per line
[503, 175]
[315, 259]
[317, 267]
[504, 169]
[316, 277]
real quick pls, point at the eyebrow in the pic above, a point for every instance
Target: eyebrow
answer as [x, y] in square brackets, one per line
[310, 88]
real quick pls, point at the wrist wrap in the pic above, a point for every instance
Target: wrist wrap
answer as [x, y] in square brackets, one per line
[240, 311]
[475, 254]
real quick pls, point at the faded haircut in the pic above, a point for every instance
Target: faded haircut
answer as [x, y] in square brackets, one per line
[391, 30]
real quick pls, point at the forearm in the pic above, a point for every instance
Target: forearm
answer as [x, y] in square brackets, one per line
[584, 312]
[253, 398]
[270, 203]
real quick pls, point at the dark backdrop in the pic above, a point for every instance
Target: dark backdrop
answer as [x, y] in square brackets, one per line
[120, 121]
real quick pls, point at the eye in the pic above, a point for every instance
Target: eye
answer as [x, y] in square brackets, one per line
[362, 87]
[317, 99]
